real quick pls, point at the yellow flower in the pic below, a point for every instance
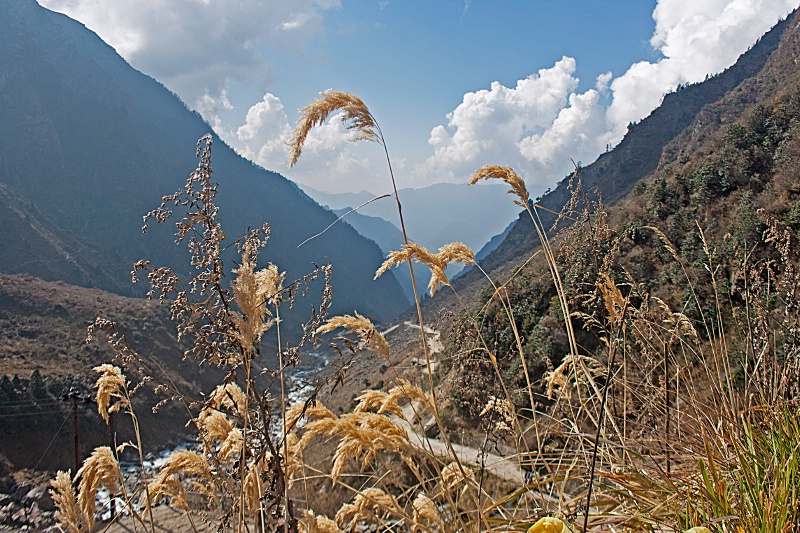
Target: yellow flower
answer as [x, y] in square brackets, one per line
[548, 524]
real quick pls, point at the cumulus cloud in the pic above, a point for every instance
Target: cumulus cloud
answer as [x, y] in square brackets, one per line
[534, 126]
[198, 48]
[266, 131]
[542, 123]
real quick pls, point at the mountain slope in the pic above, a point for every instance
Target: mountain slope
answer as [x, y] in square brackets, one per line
[89, 145]
[43, 330]
[638, 155]
[386, 236]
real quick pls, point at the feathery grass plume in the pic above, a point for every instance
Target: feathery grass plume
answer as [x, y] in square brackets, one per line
[228, 396]
[559, 378]
[377, 402]
[253, 486]
[508, 175]
[413, 393]
[408, 252]
[455, 252]
[231, 445]
[665, 240]
[612, 297]
[389, 402]
[452, 475]
[424, 509]
[369, 504]
[251, 290]
[677, 322]
[312, 523]
[362, 435]
[316, 113]
[270, 283]
[301, 410]
[215, 425]
[184, 463]
[362, 327]
[294, 459]
[170, 487]
[99, 469]
[68, 513]
[110, 384]
[181, 463]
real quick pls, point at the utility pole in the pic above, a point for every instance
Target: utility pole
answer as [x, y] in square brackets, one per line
[111, 444]
[74, 396]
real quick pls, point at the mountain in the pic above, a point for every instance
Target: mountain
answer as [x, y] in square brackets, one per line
[386, 236]
[88, 145]
[648, 145]
[690, 267]
[45, 355]
[437, 214]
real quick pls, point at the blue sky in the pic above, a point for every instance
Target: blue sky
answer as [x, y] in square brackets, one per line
[455, 85]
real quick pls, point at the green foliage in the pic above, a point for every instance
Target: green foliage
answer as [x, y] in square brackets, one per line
[7, 391]
[792, 217]
[709, 181]
[748, 226]
[36, 385]
[752, 476]
[662, 200]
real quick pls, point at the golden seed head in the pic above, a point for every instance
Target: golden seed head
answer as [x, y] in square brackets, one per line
[110, 384]
[353, 111]
[508, 175]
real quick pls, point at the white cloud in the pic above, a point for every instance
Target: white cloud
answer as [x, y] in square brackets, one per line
[491, 124]
[198, 48]
[696, 39]
[211, 106]
[542, 123]
[264, 135]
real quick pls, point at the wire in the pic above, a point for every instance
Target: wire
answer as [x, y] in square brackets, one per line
[52, 440]
[21, 402]
[36, 413]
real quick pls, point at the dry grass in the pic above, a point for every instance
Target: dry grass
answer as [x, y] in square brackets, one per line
[362, 327]
[353, 111]
[454, 252]
[644, 425]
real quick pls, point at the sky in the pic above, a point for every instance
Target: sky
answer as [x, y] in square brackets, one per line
[454, 84]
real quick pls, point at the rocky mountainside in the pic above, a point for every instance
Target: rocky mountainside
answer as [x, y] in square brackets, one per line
[711, 232]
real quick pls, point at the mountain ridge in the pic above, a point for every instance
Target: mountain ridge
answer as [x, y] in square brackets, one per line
[93, 145]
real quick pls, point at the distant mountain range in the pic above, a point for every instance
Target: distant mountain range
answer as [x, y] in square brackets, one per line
[434, 216]
[88, 145]
[437, 214]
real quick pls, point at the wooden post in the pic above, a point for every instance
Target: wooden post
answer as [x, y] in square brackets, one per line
[74, 396]
[111, 499]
